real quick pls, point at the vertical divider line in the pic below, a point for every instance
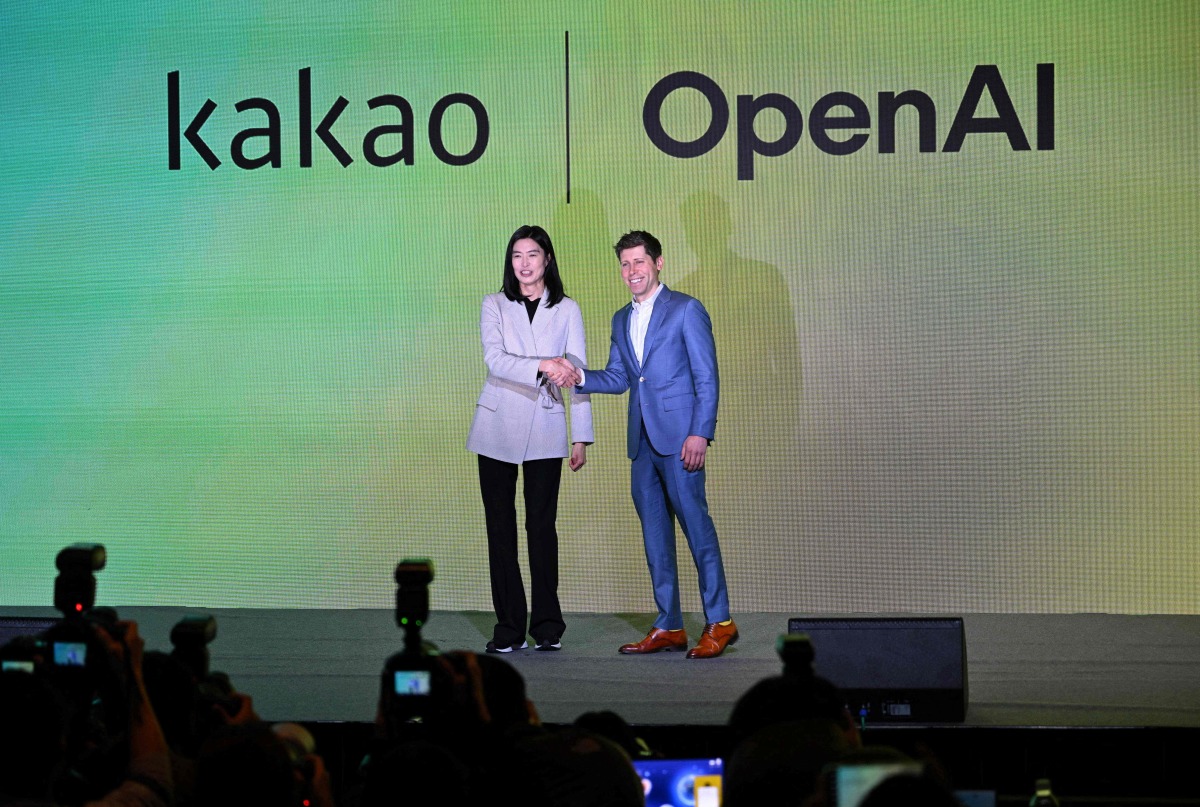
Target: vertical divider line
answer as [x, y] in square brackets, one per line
[567, 93]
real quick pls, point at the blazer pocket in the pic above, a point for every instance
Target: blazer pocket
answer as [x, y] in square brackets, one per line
[684, 401]
[489, 400]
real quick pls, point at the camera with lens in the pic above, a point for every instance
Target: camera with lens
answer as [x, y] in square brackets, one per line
[190, 638]
[67, 651]
[410, 680]
[72, 656]
[76, 659]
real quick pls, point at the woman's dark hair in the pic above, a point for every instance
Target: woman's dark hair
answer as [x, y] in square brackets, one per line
[511, 287]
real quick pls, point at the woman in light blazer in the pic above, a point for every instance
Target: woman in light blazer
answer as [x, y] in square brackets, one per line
[527, 329]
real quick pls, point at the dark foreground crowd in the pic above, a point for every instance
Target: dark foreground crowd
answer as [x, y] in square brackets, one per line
[150, 729]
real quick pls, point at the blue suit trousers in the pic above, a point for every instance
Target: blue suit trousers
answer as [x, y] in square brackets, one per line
[663, 491]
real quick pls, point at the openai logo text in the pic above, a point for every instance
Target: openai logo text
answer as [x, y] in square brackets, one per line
[836, 120]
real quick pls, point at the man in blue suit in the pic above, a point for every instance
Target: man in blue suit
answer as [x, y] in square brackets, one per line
[663, 353]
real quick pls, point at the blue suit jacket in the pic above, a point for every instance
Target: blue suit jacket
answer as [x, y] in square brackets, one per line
[674, 390]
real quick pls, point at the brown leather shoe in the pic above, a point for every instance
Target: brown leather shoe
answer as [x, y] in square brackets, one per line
[715, 639]
[657, 639]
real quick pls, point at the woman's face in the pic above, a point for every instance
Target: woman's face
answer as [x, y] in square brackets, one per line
[529, 265]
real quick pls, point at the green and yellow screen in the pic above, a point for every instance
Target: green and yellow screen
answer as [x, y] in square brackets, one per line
[949, 249]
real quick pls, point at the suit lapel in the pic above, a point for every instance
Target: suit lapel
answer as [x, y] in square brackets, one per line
[662, 306]
[626, 339]
[519, 322]
[542, 318]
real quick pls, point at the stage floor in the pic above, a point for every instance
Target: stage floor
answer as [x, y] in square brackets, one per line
[1024, 670]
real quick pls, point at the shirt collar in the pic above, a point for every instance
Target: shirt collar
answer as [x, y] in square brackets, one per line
[522, 299]
[649, 303]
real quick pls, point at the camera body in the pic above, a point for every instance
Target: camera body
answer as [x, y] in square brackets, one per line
[72, 656]
[190, 639]
[214, 693]
[410, 680]
[70, 652]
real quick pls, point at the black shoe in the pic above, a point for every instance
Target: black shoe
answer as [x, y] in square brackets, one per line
[492, 647]
[550, 644]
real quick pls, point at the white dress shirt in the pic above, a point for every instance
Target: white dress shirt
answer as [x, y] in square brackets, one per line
[639, 322]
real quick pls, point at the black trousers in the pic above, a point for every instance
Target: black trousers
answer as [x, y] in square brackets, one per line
[498, 484]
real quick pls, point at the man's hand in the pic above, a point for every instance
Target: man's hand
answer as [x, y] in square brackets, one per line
[694, 449]
[124, 649]
[124, 646]
[578, 456]
[560, 371]
[236, 709]
[570, 374]
[315, 782]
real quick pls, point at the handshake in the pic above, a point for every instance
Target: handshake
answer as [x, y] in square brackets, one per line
[560, 371]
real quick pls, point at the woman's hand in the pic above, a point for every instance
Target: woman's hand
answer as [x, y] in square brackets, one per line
[578, 456]
[560, 371]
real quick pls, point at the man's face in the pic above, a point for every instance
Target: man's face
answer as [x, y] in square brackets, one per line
[639, 272]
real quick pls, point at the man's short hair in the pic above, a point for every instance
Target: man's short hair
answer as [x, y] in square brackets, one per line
[639, 238]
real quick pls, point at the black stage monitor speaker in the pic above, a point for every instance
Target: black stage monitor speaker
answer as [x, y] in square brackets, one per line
[893, 670]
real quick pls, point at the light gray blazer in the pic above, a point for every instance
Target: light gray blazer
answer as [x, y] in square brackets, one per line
[517, 418]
